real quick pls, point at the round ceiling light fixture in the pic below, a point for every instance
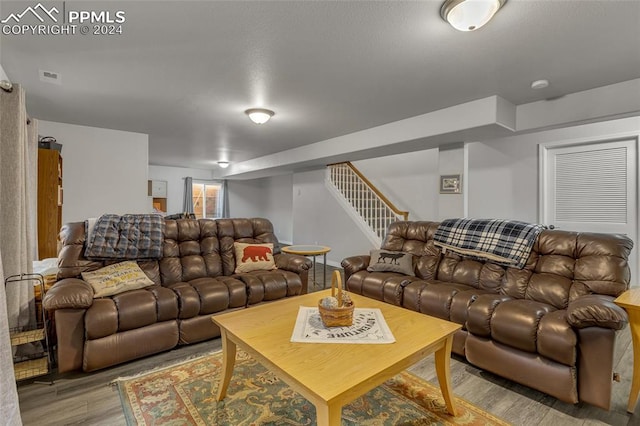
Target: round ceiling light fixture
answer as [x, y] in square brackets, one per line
[469, 15]
[223, 164]
[259, 115]
[540, 84]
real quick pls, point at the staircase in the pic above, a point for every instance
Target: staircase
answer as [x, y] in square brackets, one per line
[372, 208]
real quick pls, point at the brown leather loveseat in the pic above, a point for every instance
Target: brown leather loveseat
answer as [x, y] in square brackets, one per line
[194, 280]
[550, 326]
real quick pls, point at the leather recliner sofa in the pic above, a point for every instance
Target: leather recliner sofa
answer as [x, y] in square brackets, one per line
[550, 326]
[194, 280]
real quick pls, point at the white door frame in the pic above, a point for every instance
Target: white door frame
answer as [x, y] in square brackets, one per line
[543, 152]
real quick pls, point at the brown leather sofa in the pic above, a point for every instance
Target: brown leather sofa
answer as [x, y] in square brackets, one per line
[550, 326]
[194, 280]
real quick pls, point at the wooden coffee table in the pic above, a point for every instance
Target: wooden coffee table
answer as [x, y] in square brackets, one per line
[331, 375]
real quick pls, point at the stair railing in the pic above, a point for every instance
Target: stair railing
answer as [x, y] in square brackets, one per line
[373, 207]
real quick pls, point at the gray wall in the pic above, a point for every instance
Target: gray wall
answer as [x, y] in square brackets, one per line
[501, 181]
[104, 171]
[503, 173]
[318, 218]
[269, 197]
[410, 181]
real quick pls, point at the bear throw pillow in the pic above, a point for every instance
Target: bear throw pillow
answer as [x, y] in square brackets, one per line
[254, 257]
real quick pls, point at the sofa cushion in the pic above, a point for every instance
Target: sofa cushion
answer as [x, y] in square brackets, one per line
[431, 297]
[191, 250]
[276, 284]
[249, 231]
[415, 238]
[391, 261]
[557, 340]
[253, 257]
[116, 278]
[384, 286]
[136, 309]
[515, 323]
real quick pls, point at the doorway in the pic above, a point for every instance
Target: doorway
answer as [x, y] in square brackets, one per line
[591, 186]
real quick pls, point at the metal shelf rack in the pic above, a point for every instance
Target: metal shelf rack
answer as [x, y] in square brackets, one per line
[38, 362]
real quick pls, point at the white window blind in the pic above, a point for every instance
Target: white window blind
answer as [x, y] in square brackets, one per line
[591, 186]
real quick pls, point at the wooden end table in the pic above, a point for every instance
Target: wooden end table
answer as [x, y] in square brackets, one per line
[313, 251]
[331, 375]
[630, 301]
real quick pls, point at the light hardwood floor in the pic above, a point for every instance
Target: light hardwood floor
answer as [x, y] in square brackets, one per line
[88, 399]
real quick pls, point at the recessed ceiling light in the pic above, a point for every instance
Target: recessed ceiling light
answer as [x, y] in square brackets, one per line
[259, 115]
[540, 84]
[223, 164]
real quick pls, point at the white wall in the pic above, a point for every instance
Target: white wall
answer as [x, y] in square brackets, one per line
[319, 219]
[174, 176]
[270, 198]
[410, 181]
[246, 198]
[451, 162]
[3, 75]
[104, 171]
[501, 181]
[279, 206]
[503, 173]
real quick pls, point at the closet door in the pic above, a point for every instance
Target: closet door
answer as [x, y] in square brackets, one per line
[592, 187]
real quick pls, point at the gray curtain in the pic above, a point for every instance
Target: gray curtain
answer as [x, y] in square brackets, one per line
[224, 200]
[18, 198]
[187, 204]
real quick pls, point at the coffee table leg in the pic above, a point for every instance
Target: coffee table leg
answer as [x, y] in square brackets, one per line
[324, 268]
[228, 361]
[634, 323]
[328, 415]
[443, 362]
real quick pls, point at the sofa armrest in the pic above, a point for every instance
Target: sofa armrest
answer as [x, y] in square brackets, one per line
[596, 310]
[69, 293]
[292, 262]
[353, 264]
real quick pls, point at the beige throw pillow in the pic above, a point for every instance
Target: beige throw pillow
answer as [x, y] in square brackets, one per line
[254, 257]
[116, 278]
[391, 261]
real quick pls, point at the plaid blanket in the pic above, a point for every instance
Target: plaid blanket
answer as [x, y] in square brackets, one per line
[505, 242]
[132, 236]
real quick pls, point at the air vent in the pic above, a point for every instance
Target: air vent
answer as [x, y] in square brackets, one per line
[50, 77]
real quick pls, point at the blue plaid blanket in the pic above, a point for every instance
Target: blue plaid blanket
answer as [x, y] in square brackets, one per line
[131, 236]
[504, 242]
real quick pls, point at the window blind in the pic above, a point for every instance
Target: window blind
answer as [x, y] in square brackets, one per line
[591, 186]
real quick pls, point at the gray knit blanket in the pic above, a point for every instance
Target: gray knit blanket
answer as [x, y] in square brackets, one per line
[504, 242]
[131, 236]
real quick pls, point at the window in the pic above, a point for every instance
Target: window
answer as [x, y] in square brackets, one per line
[207, 202]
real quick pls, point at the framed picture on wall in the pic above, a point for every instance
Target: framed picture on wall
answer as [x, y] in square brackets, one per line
[450, 184]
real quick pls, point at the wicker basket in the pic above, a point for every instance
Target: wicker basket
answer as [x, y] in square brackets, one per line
[342, 316]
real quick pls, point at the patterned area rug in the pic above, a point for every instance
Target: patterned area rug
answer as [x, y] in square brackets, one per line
[185, 395]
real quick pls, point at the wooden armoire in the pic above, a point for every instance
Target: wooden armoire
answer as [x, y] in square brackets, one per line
[49, 202]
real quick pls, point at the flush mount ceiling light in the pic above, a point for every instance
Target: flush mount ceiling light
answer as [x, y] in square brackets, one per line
[259, 115]
[223, 164]
[540, 84]
[469, 15]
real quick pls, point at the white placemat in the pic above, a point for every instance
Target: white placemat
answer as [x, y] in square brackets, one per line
[368, 326]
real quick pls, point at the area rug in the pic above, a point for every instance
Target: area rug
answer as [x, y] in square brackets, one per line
[185, 395]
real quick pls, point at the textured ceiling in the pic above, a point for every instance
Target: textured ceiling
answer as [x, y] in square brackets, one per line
[184, 72]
